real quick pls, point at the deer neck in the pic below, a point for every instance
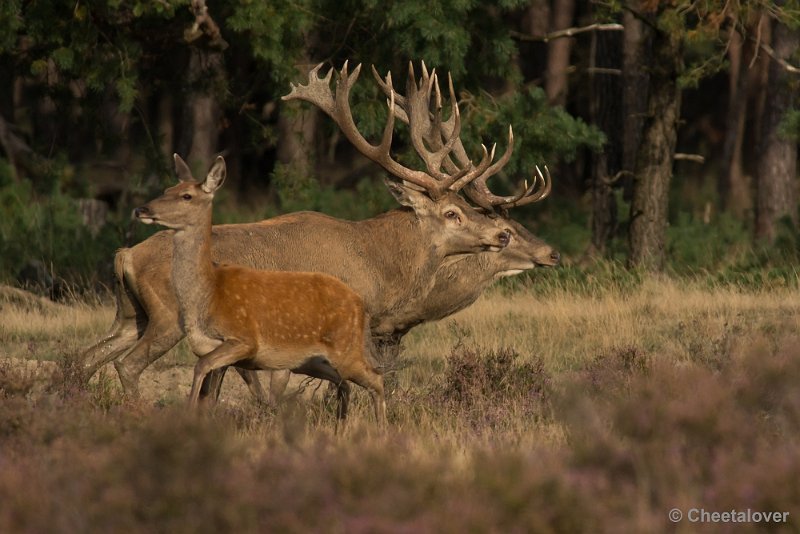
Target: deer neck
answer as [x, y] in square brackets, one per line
[193, 273]
[408, 238]
[407, 260]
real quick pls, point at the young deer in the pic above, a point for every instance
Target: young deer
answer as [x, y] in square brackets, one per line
[310, 323]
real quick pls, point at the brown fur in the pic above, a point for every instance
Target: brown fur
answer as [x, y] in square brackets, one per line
[389, 260]
[233, 315]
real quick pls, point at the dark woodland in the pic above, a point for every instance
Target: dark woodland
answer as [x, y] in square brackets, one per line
[670, 128]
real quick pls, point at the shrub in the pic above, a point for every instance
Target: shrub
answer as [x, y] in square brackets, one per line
[488, 386]
[47, 234]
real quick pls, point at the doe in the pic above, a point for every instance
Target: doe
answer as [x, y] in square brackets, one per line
[309, 323]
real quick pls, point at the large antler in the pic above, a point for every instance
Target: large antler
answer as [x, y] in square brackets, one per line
[437, 131]
[416, 112]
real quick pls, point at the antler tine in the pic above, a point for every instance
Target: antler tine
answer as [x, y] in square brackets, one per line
[458, 148]
[387, 87]
[443, 137]
[439, 133]
[474, 173]
[419, 116]
[538, 190]
[348, 80]
[529, 197]
[388, 130]
[500, 163]
[318, 92]
[479, 192]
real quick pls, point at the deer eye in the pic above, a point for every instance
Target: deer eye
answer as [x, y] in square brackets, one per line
[450, 214]
[187, 196]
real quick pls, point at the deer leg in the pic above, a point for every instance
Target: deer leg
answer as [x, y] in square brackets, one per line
[155, 342]
[212, 385]
[129, 324]
[250, 378]
[123, 336]
[320, 367]
[224, 355]
[342, 399]
[372, 381]
[278, 380]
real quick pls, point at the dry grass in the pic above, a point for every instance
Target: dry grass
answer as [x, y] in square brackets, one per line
[663, 317]
[569, 413]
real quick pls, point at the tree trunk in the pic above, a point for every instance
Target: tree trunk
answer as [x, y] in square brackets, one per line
[648, 220]
[296, 144]
[201, 113]
[635, 50]
[732, 187]
[777, 194]
[558, 50]
[166, 125]
[605, 111]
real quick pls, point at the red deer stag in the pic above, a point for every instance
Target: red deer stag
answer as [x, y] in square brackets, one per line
[460, 279]
[387, 260]
[310, 323]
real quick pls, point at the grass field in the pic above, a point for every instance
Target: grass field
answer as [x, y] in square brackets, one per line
[574, 411]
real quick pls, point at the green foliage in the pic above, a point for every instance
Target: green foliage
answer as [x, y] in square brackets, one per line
[49, 231]
[298, 192]
[541, 132]
[277, 32]
[694, 245]
[467, 38]
[790, 125]
[10, 24]
[96, 42]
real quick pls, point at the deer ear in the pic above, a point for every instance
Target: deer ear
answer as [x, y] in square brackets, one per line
[407, 195]
[215, 177]
[182, 169]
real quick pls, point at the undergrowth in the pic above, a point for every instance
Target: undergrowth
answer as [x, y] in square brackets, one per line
[642, 436]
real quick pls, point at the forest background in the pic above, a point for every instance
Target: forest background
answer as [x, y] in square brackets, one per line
[669, 127]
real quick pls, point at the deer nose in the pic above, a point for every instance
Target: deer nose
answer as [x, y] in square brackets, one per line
[138, 212]
[555, 256]
[504, 238]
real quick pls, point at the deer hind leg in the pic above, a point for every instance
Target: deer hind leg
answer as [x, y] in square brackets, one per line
[228, 353]
[278, 380]
[122, 337]
[250, 378]
[320, 367]
[129, 324]
[372, 381]
[212, 385]
[156, 341]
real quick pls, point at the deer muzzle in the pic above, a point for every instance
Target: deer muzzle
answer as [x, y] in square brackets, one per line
[144, 214]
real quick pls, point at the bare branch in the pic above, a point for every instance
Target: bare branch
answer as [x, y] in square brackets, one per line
[603, 70]
[696, 158]
[788, 67]
[567, 32]
[611, 180]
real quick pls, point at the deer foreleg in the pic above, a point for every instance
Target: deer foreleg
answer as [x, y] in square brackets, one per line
[228, 353]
